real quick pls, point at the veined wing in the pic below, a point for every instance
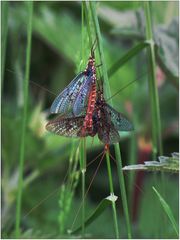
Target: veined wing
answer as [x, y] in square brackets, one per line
[121, 123]
[107, 133]
[64, 101]
[68, 127]
[82, 97]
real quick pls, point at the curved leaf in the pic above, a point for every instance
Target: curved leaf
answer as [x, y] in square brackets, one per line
[98, 211]
[168, 211]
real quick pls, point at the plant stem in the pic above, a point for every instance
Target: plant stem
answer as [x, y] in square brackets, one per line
[155, 110]
[132, 160]
[4, 38]
[122, 188]
[83, 204]
[108, 94]
[88, 21]
[82, 149]
[83, 143]
[112, 193]
[83, 172]
[23, 134]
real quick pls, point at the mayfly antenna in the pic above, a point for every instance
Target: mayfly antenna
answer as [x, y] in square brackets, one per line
[126, 86]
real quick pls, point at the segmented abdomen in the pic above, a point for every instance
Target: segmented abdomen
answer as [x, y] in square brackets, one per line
[88, 121]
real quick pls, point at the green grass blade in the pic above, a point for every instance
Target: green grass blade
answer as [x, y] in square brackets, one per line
[156, 120]
[83, 143]
[23, 136]
[130, 54]
[112, 193]
[98, 211]
[108, 94]
[122, 188]
[154, 98]
[4, 32]
[168, 211]
[88, 22]
[83, 177]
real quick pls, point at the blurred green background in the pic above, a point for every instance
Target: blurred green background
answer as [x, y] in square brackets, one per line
[55, 60]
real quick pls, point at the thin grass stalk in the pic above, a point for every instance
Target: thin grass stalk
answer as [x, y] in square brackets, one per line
[123, 188]
[5, 7]
[133, 141]
[155, 108]
[132, 160]
[82, 147]
[112, 193]
[23, 133]
[108, 94]
[83, 176]
[88, 20]
[156, 120]
[71, 162]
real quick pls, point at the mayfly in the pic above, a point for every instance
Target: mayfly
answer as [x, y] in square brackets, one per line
[74, 97]
[106, 122]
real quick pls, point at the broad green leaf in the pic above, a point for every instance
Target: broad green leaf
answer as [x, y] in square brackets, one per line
[168, 211]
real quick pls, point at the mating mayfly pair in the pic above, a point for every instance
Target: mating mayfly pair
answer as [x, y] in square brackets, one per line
[83, 110]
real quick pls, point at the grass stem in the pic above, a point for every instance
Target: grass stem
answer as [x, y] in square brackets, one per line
[155, 109]
[23, 134]
[83, 177]
[4, 25]
[107, 95]
[112, 193]
[123, 189]
[83, 143]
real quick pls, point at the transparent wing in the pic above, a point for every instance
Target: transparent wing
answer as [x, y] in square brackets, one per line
[68, 127]
[81, 100]
[121, 123]
[107, 133]
[65, 100]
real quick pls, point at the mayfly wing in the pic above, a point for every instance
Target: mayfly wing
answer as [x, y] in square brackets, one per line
[107, 132]
[65, 100]
[68, 127]
[82, 97]
[121, 123]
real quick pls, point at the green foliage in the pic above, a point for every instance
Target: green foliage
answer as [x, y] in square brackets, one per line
[24, 121]
[150, 218]
[4, 36]
[67, 191]
[168, 211]
[106, 202]
[50, 204]
[130, 24]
